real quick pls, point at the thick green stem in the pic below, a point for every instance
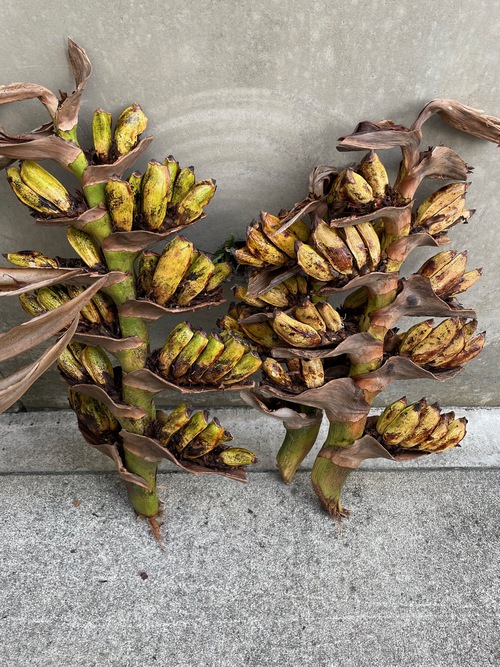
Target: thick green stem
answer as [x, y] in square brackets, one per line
[296, 446]
[144, 501]
[327, 477]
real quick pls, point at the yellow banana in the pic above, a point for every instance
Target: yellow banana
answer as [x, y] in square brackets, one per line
[49, 298]
[30, 305]
[471, 349]
[330, 316]
[292, 286]
[355, 188]
[439, 201]
[222, 271]
[45, 185]
[234, 349]
[205, 442]
[130, 124]
[173, 169]
[263, 249]
[438, 433]
[197, 423]
[235, 457]
[195, 280]
[457, 431]
[228, 323]
[105, 306]
[277, 374]
[189, 354]
[98, 366]
[212, 351]
[451, 351]
[415, 335]
[437, 263]
[89, 311]
[102, 135]
[71, 367]
[313, 372]
[277, 296]
[374, 173]
[171, 268]
[372, 243]
[285, 241]
[191, 207]
[307, 313]
[146, 267]
[449, 275]
[155, 188]
[403, 426]
[435, 342]
[28, 196]
[120, 203]
[467, 280]
[178, 418]
[295, 333]
[355, 244]
[241, 293]
[176, 341]
[390, 413]
[302, 284]
[330, 244]
[183, 184]
[314, 264]
[261, 333]
[31, 259]
[248, 365]
[85, 246]
[245, 257]
[469, 329]
[430, 417]
[135, 182]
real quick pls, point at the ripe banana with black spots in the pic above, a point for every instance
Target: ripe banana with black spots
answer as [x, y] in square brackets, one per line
[31, 259]
[191, 207]
[171, 268]
[374, 173]
[130, 124]
[46, 186]
[85, 246]
[28, 196]
[295, 333]
[102, 134]
[120, 203]
[155, 187]
[176, 341]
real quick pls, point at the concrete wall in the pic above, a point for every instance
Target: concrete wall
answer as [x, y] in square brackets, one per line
[254, 94]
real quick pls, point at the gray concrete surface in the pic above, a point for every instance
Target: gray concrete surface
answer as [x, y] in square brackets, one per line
[255, 94]
[250, 574]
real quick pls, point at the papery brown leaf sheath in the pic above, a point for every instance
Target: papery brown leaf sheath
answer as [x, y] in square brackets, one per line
[66, 116]
[353, 456]
[461, 117]
[149, 310]
[146, 380]
[15, 385]
[100, 173]
[292, 420]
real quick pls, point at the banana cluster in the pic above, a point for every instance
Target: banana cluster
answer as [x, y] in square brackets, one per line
[299, 374]
[108, 146]
[193, 357]
[267, 248]
[443, 209]
[194, 436]
[87, 364]
[447, 274]
[419, 427]
[94, 416]
[165, 196]
[448, 345]
[40, 191]
[307, 326]
[364, 185]
[180, 275]
[99, 314]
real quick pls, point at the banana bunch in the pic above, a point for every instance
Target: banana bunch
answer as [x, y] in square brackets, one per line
[94, 416]
[108, 146]
[99, 314]
[267, 248]
[191, 356]
[449, 344]
[179, 275]
[339, 253]
[87, 364]
[419, 427]
[366, 183]
[447, 274]
[299, 374]
[193, 435]
[165, 195]
[307, 326]
[443, 209]
[40, 191]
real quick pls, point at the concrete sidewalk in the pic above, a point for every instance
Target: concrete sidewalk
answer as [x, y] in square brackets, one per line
[251, 574]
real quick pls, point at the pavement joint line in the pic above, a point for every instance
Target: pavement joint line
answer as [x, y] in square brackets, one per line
[88, 473]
